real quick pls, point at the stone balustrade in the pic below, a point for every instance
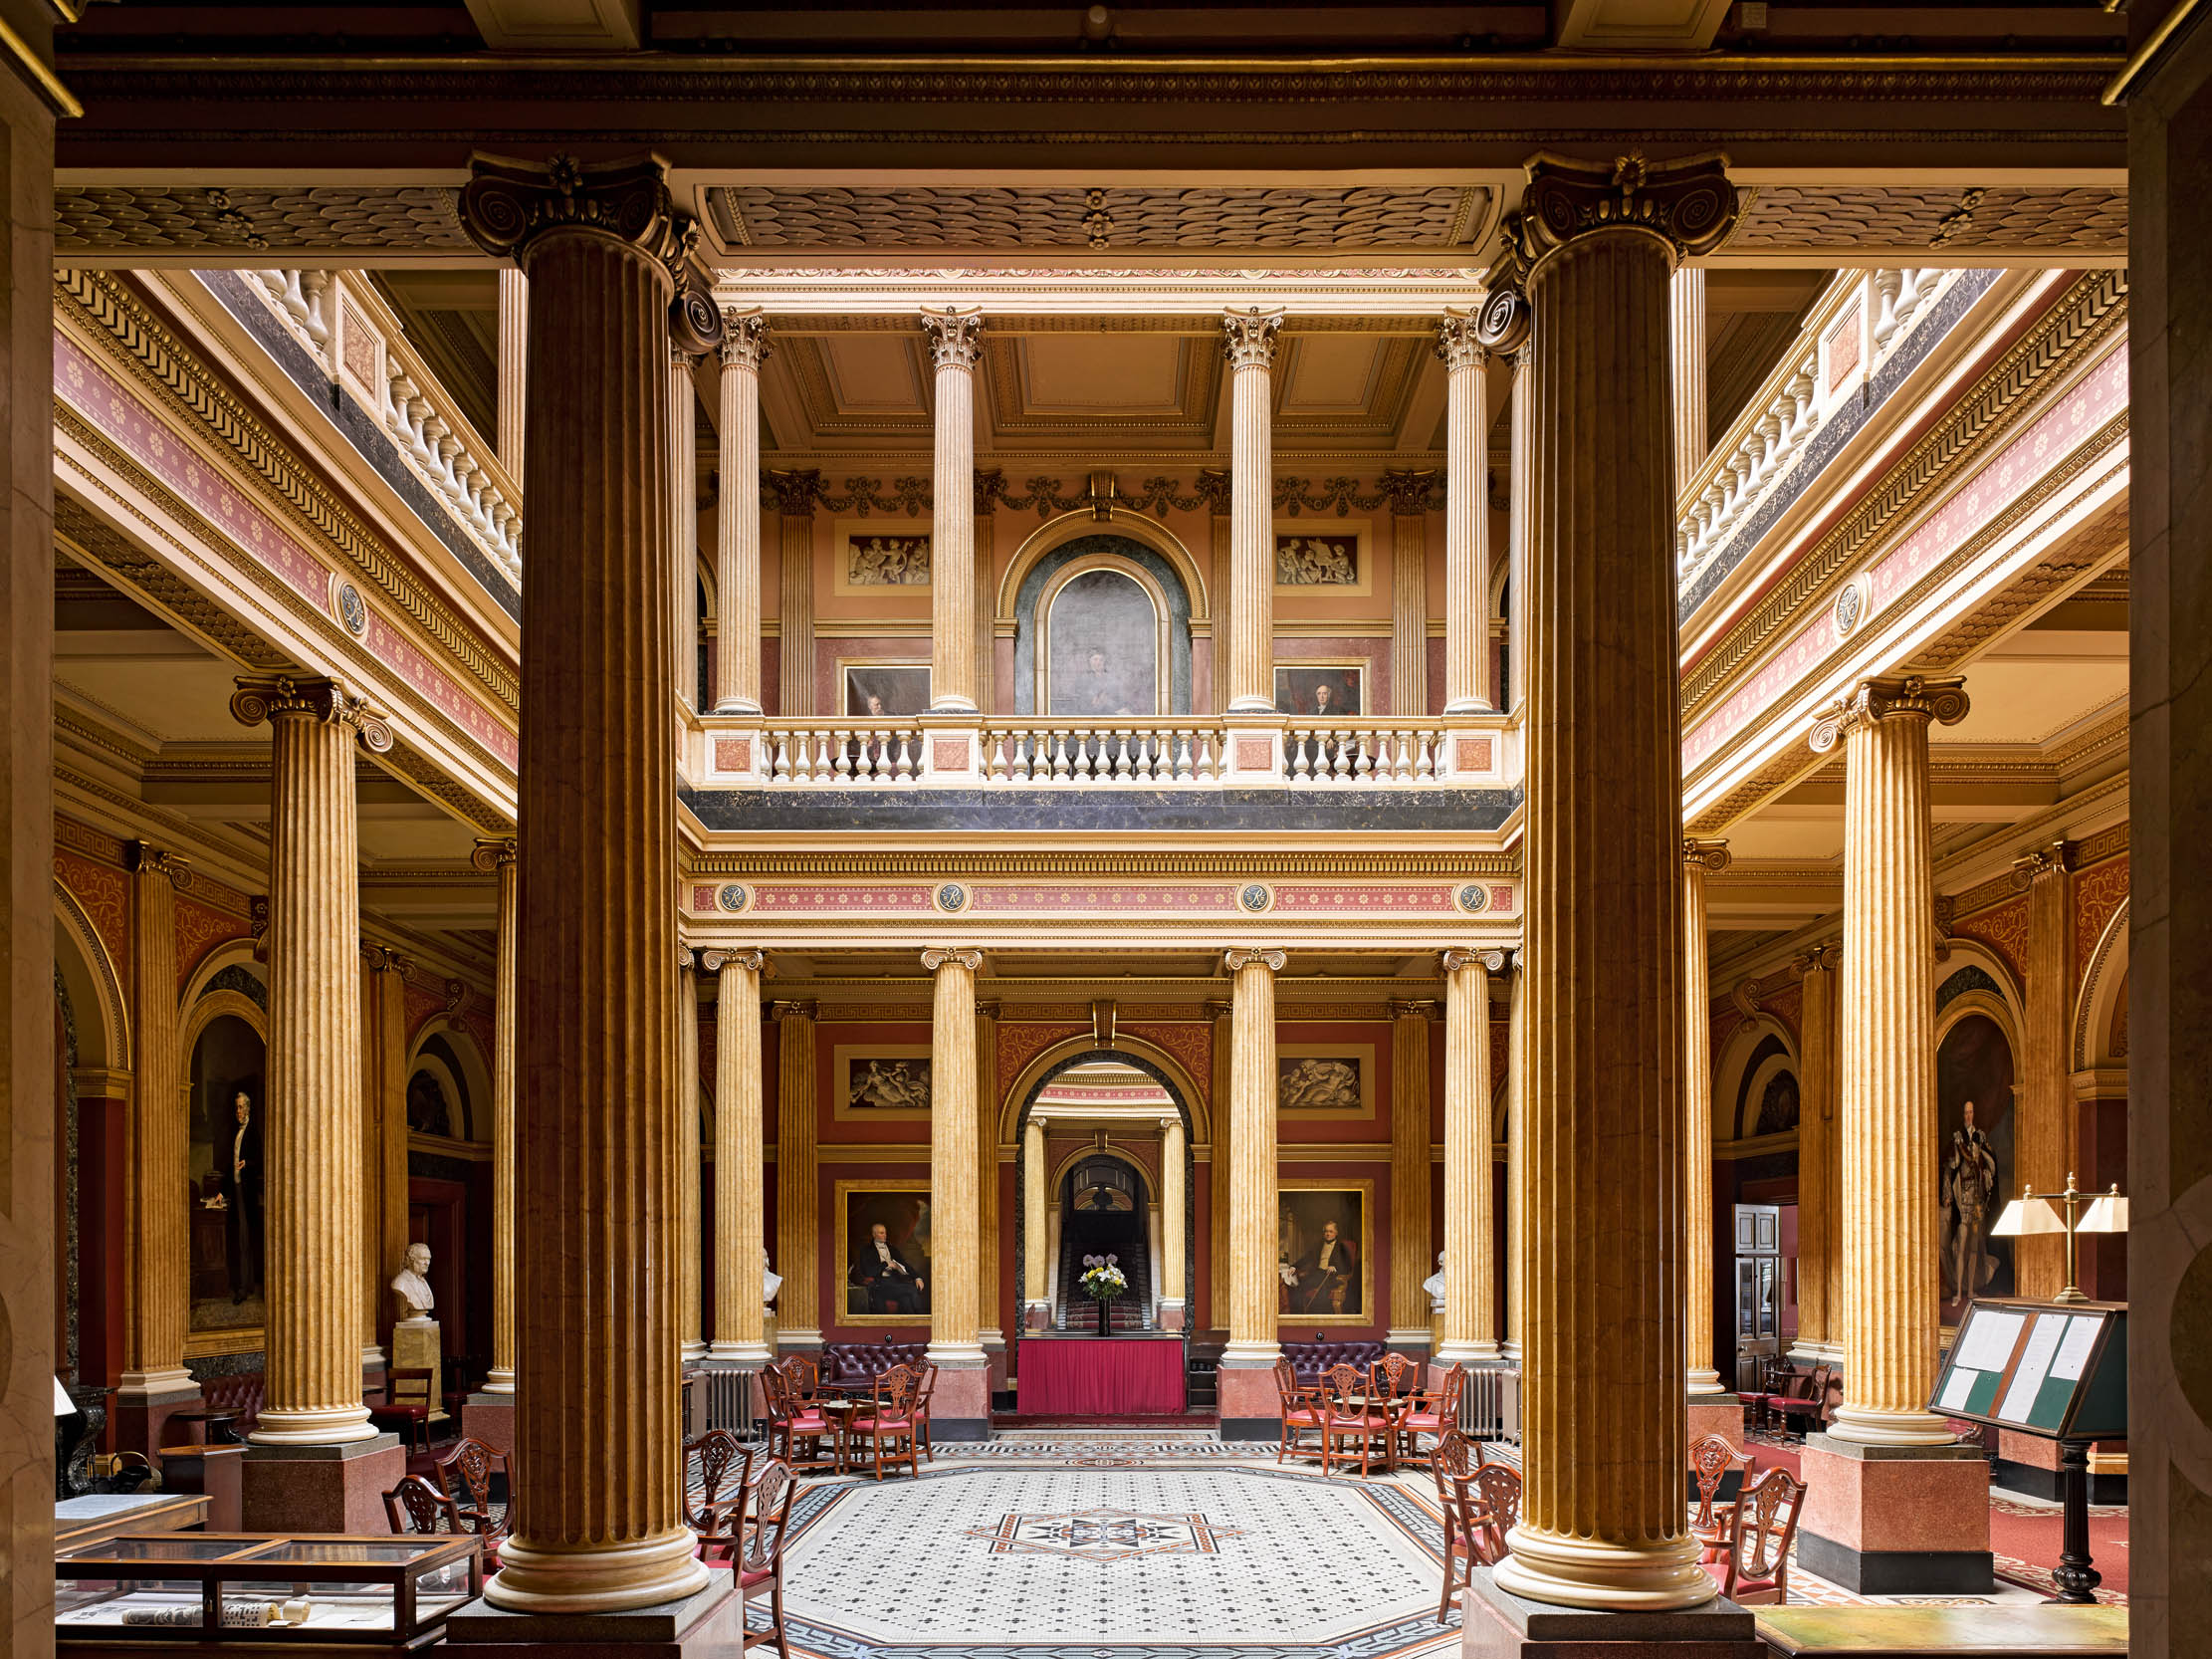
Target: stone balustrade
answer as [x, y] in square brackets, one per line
[870, 753]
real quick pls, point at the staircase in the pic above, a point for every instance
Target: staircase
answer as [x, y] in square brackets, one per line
[1132, 1311]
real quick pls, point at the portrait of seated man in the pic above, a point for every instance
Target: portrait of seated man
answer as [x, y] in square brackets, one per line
[889, 1281]
[1328, 1275]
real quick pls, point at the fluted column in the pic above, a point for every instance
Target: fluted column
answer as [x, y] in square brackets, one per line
[1220, 1018]
[1248, 338]
[311, 1187]
[1816, 1172]
[689, 1255]
[741, 1324]
[987, 1330]
[498, 857]
[1411, 1248]
[797, 493]
[1174, 1201]
[1466, 517]
[2042, 1144]
[1685, 344]
[1886, 1055]
[1700, 857]
[683, 516]
[987, 588]
[383, 1126]
[157, 1297]
[955, 337]
[797, 1199]
[744, 348]
[1601, 1346]
[1516, 1163]
[1470, 1333]
[514, 367]
[953, 1211]
[1213, 487]
[1036, 1256]
[598, 1522]
[1252, 1183]
[1521, 414]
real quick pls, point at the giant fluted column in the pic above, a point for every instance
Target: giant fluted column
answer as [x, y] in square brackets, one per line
[2043, 1143]
[498, 857]
[1816, 1172]
[514, 368]
[1248, 338]
[1036, 1262]
[1466, 517]
[1521, 414]
[1516, 1162]
[1700, 857]
[683, 513]
[1886, 1056]
[313, 1179]
[963, 1386]
[691, 1312]
[744, 348]
[1601, 1346]
[1410, 1249]
[157, 1297]
[955, 336]
[1248, 1401]
[741, 1324]
[598, 1520]
[1685, 344]
[1470, 1334]
[797, 1173]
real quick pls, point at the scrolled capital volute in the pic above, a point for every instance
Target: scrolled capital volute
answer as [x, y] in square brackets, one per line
[508, 208]
[1706, 853]
[952, 956]
[1941, 700]
[1689, 205]
[145, 858]
[273, 697]
[493, 853]
[1238, 958]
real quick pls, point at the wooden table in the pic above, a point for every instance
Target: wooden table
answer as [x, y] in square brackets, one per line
[1953, 1632]
[100, 1515]
[840, 1413]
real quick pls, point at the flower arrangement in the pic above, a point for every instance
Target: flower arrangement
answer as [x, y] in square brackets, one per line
[1102, 1280]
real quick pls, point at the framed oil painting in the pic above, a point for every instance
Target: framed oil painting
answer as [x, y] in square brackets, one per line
[225, 1169]
[1974, 1127]
[881, 1080]
[1322, 1267]
[875, 554]
[1105, 645]
[1321, 690]
[884, 1246]
[1325, 1080]
[885, 691]
[1322, 558]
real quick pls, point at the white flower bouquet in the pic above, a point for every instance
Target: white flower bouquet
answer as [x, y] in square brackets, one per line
[1102, 1280]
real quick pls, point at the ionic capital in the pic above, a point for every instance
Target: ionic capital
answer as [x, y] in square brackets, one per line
[2043, 864]
[684, 959]
[952, 956]
[1248, 337]
[1459, 340]
[1491, 959]
[271, 697]
[956, 336]
[1218, 1007]
[1240, 957]
[990, 489]
[1706, 853]
[797, 490]
[508, 208]
[145, 858]
[781, 1010]
[494, 853]
[385, 959]
[716, 961]
[745, 338]
[1821, 959]
[1891, 697]
[987, 1010]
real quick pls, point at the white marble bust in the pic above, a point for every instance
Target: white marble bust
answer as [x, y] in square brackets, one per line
[416, 1299]
[1433, 1285]
[770, 1282]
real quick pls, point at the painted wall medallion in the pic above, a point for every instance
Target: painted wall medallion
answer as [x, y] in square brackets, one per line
[733, 895]
[347, 605]
[1475, 897]
[952, 897]
[1255, 896]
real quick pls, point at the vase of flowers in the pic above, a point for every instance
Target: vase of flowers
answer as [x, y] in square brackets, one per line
[1102, 1281]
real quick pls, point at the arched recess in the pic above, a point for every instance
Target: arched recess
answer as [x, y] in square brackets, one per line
[228, 966]
[1967, 953]
[1121, 521]
[1040, 1069]
[467, 1077]
[1083, 1155]
[1740, 1056]
[2103, 984]
[1072, 545]
[95, 997]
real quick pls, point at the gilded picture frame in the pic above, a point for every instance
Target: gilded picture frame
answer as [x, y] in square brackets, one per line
[904, 1207]
[1303, 1206]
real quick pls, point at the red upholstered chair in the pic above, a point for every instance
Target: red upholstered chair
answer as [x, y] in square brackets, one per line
[1301, 1411]
[1757, 1565]
[795, 1421]
[1453, 1465]
[1350, 1410]
[718, 1516]
[1396, 1374]
[760, 1561]
[1803, 1403]
[1431, 1411]
[408, 1396]
[465, 1474]
[1497, 1492]
[887, 1423]
[1710, 1459]
[415, 1505]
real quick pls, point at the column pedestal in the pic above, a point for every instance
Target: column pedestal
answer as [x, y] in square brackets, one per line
[1896, 1519]
[1500, 1625]
[320, 1488]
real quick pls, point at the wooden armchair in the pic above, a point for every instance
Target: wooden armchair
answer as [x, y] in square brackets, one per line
[410, 1393]
[1431, 1411]
[1301, 1411]
[927, 1388]
[415, 1505]
[887, 1423]
[724, 1463]
[1497, 1492]
[1396, 1375]
[1710, 1459]
[759, 1563]
[465, 1474]
[1802, 1402]
[1756, 1568]
[1352, 1411]
[1453, 1464]
[802, 1374]
[794, 1420]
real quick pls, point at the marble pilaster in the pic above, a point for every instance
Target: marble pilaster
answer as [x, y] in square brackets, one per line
[497, 855]
[1469, 1210]
[1037, 1307]
[689, 1301]
[1521, 415]
[156, 1296]
[1407, 490]
[745, 346]
[514, 367]
[2042, 1133]
[1248, 1390]
[797, 492]
[1466, 517]
[383, 1120]
[1248, 340]
[1516, 1162]
[1818, 1173]
[1686, 340]
[797, 1174]
[683, 516]
[741, 1324]
[955, 338]
[1173, 1203]
[963, 1398]
[1220, 1019]
[1411, 1247]
[987, 1329]
[1700, 856]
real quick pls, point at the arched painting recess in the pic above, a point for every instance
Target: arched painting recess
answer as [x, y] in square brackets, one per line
[1057, 573]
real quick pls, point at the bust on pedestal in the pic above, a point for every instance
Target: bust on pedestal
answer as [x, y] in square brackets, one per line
[416, 1342]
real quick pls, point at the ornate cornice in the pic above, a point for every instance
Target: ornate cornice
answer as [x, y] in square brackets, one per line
[1248, 337]
[1706, 853]
[1246, 956]
[1891, 697]
[327, 701]
[955, 336]
[1263, 862]
[745, 338]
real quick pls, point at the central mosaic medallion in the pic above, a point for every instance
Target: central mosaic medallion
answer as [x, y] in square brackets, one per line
[1104, 1536]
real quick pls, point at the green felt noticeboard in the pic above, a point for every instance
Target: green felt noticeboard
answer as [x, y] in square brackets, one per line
[2058, 1369]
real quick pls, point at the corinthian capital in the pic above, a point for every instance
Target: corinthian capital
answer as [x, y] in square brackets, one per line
[276, 696]
[1248, 337]
[1706, 853]
[1248, 956]
[956, 336]
[1459, 340]
[797, 490]
[507, 207]
[745, 338]
[1891, 697]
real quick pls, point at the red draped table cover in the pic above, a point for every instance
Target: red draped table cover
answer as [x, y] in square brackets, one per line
[1102, 1377]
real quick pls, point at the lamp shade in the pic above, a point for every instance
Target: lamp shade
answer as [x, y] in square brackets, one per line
[64, 1407]
[2027, 1215]
[2108, 1215]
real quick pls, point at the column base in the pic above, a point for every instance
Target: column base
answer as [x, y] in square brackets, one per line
[712, 1618]
[726, 1356]
[320, 1488]
[1469, 1355]
[1413, 1341]
[1245, 1396]
[1498, 1624]
[1896, 1519]
[1173, 1315]
[1560, 1570]
[961, 1407]
[623, 1577]
[490, 1417]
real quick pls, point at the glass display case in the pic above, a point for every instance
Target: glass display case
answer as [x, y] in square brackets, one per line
[264, 1586]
